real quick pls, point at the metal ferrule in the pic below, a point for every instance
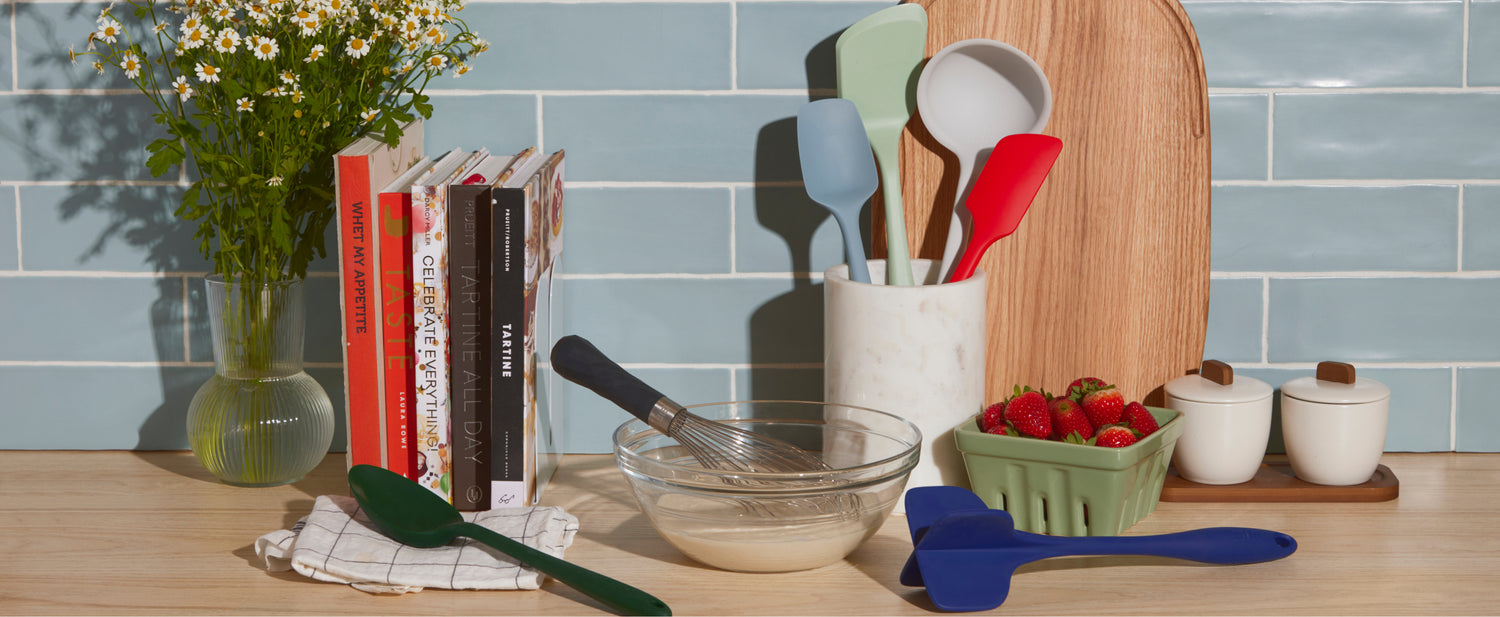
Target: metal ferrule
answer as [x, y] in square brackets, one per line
[663, 414]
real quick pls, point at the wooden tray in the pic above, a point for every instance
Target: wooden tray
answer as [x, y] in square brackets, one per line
[1275, 483]
[1108, 274]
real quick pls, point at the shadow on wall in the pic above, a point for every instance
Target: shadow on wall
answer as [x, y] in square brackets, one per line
[788, 329]
[97, 139]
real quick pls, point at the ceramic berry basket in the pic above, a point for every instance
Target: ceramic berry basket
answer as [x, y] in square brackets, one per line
[1066, 489]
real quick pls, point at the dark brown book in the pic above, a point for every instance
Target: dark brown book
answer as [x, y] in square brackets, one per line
[469, 221]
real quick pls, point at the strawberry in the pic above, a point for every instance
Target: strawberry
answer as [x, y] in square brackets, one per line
[1137, 417]
[1082, 386]
[1117, 436]
[1027, 412]
[1068, 419]
[1103, 406]
[993, 416]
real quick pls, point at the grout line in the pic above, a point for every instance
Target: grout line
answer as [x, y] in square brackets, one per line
[734, 45]
[1467, 274]
[1270, 136]
[15, 49]
[647, 184]
[1464, 55]
[725, 276]
[1265, 320]
[1363, 90]
[1459, 259]
[734, 262]
[797, 92]
[120, 274]
[1359, 182]
[1453, 413]
[101, 363]
[541, 145]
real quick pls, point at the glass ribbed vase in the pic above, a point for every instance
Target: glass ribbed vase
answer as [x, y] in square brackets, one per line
[261, 420]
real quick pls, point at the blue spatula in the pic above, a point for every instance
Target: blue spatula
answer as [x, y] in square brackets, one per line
[838, 170]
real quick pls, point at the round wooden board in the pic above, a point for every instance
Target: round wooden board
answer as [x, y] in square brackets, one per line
[1108, 275]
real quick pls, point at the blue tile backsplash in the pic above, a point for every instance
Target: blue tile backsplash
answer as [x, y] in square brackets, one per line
[1356, 207]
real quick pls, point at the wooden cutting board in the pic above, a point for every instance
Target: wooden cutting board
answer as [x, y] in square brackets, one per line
[1108, 274]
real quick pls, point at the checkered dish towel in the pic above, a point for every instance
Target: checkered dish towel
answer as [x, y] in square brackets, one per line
[336, 542]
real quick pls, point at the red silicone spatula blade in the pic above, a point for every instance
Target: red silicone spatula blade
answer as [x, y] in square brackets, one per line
[1003, 192]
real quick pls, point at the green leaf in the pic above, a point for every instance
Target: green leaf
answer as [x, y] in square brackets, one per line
[164, 154]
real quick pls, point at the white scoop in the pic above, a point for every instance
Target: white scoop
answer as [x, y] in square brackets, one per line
[970, 95]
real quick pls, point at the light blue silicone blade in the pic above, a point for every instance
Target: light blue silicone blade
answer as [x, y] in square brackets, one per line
[838, 170]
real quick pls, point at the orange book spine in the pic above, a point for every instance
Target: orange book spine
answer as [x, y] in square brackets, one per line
[357, 276]
[399, 349]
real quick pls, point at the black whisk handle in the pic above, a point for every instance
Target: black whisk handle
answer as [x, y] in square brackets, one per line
[578, 361]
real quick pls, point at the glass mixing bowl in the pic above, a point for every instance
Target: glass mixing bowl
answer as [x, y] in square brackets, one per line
[773, 522]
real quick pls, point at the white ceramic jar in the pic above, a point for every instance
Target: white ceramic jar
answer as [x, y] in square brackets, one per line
[1334, 425]
[1226, 423]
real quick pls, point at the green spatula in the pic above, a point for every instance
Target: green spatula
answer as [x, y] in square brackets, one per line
[877, 60]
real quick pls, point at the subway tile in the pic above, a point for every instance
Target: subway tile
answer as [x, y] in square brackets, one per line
[647, 230]
[121, 408]
[504, 123]
[1387, 135]
[10, 251]
[104, 227]
[55, 137]
[1478, 427]
[1384, 320]
[683, 138]
[1335, 228]
[1330, 44]
[1419, 406]
[790, 44]
[44, 33]
[778, 384]
[1239, 135]
[1234, 320]
[781, 229]
[687, 320]
[322, 329]
[1484, 43]
[599, 46]
[7, 13]
[589, 421]
[1481, 219]
[92, 319]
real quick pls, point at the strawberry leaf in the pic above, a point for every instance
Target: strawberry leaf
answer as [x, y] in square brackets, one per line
[1075, 437]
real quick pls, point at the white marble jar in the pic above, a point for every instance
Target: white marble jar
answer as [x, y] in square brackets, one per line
[1334, 425]
[914, 351]
[1226, 424]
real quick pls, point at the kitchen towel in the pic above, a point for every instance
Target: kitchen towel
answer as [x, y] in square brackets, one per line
[336, 542]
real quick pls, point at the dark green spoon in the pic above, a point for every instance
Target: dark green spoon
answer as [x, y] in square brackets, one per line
[412, 515]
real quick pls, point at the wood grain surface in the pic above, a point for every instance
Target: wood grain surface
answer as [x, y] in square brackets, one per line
[131, 533]
[1108, 274]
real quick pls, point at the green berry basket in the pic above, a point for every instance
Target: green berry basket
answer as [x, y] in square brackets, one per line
[1067, 489]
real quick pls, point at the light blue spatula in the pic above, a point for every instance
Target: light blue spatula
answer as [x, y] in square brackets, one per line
[838, 170]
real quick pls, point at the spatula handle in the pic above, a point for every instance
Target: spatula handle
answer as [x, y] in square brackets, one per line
[617, 595]
[1220, 545]
[579, 361]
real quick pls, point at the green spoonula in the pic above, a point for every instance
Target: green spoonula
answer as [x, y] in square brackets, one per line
[413, 515]
[877, 60]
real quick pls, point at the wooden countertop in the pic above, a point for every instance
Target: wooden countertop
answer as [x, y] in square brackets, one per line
[153, 533]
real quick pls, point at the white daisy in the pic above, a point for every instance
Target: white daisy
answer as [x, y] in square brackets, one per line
[289, 78]
[207, 72]
[297, 97]
[265, 47]
[184, 90]
[437, 62]
[224, 14]
[434, 35]
[108, 30]
[99, 66]
[368, 115]
[193, 39]
[314, 53]
[309, 27]
[273, 181]
[244, 104]
[190, 24]
[227, 41]
[460, 69]
[131, 65]
[158, 28]
[357, 47]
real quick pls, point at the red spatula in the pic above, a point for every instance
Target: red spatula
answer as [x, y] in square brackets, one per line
[1003, 192]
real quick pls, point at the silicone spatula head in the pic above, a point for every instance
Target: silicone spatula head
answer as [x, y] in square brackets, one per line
[1003, 192]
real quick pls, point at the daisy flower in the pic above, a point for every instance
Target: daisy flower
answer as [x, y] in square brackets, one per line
[297, 97]
[369, 114]
[309, 27]
[184, 91]
[273, 181]
[244, 104]
[434, 35]
[207, 72]
[108, 30]
[265, 47]
[131, 65]
[314, 53]
[289, 78]
[227, 41]
[224, 14]
[158, 28]
[190, 24]
[99, 66]
[411, 27]
[273, 92]
[437, 62]
[357, 47]
[460, 69]
[193, 39]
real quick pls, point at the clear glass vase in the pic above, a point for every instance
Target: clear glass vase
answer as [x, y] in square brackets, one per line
[260, 420]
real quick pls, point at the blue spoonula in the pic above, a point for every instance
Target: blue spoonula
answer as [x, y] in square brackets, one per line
[838, 170]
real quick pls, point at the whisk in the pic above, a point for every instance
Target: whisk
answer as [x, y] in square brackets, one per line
[715, 445]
